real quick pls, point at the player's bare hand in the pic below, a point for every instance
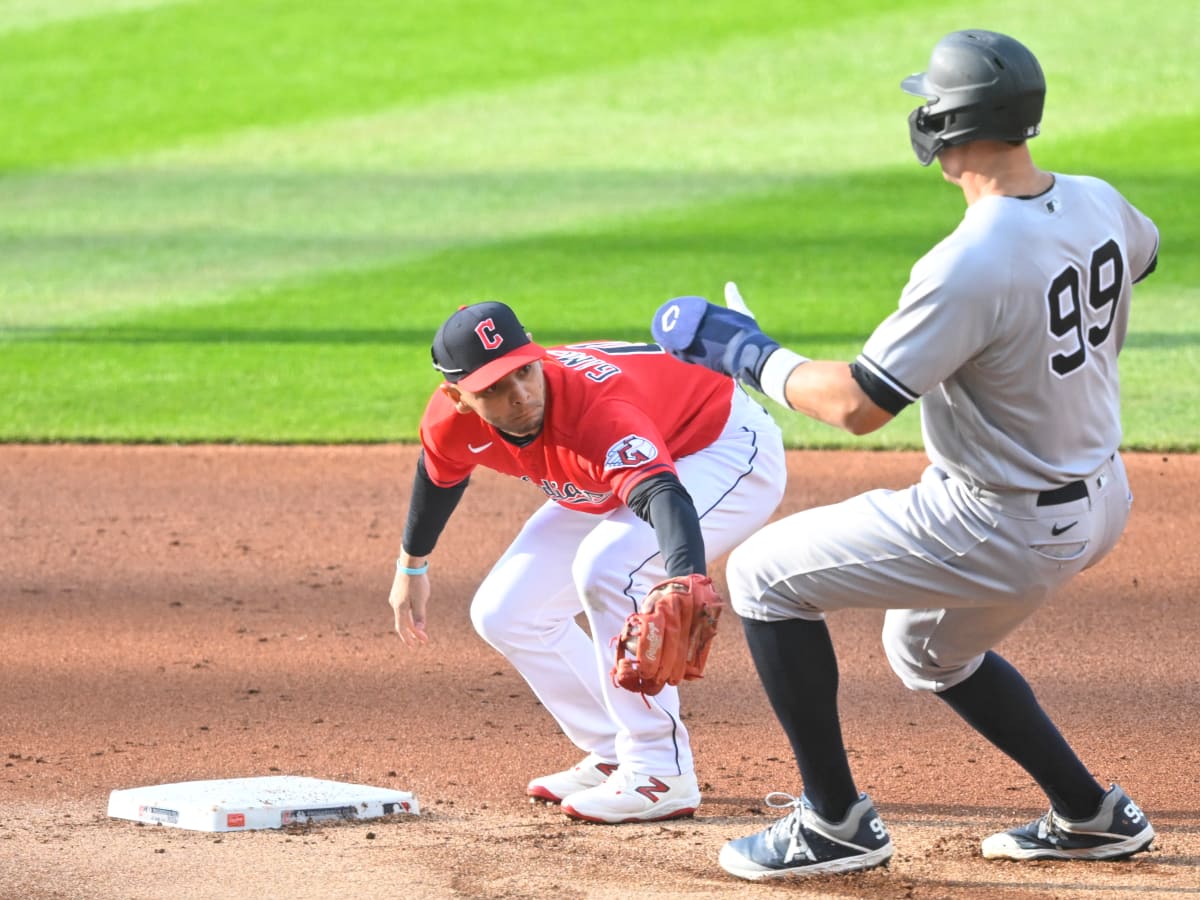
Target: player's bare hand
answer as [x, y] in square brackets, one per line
[409, 600]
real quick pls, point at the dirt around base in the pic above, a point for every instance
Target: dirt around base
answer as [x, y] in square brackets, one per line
[179, 613]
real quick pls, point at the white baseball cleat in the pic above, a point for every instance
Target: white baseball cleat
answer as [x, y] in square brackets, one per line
[633, 797]
[590, 771]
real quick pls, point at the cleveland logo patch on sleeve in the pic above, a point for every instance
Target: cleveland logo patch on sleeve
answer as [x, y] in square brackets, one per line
[629, 452]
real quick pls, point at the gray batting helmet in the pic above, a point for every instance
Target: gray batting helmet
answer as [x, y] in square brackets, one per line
[980, 86]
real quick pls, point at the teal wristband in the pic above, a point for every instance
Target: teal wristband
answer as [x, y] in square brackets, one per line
[420, 570]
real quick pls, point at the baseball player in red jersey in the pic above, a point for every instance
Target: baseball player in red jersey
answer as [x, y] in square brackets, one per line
[651, 467]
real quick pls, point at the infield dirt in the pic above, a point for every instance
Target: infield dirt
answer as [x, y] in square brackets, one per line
[178, 613]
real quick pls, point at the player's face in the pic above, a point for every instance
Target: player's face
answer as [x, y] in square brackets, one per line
[516, 404]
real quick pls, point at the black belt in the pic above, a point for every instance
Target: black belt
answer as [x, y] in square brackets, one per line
[1076, 490]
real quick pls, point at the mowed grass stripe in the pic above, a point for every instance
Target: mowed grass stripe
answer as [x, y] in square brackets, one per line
[28, 15]
[345, 357]
[202, 222]
[121, 84]
[196, 224]
[112, 85]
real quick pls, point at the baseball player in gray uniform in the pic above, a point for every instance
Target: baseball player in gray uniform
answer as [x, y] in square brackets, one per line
[1008, 332]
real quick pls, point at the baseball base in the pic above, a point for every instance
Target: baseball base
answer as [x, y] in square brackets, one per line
[247, 804]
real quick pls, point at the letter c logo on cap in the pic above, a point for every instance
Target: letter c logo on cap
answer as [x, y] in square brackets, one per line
[487, 334]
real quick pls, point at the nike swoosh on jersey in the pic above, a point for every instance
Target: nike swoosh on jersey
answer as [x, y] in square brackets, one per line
[480, 448]
[1056, 531]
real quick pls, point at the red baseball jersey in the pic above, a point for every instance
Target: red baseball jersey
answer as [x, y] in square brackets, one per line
[615, 414]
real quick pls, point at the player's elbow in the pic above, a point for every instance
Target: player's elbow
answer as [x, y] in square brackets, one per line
[865, 417]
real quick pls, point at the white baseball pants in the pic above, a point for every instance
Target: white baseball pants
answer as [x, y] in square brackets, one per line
[564, 561]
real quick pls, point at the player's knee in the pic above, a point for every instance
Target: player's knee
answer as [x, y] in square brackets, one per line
[919, 672]
[585, 577]
[492, 621]
[483, 621]
[755, 589]
[597, 583]
[922, 656]
[744, 589]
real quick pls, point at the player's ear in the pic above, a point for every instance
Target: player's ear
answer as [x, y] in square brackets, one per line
[455, 396]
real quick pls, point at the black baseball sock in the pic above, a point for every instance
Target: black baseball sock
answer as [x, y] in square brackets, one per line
[998, 703]
[798, 668]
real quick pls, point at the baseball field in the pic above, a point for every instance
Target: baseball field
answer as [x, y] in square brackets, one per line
[228, 231]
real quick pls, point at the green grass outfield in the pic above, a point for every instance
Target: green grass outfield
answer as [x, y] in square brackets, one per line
[242, 220]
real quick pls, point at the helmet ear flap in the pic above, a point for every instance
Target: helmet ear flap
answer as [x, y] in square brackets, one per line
[925, 134]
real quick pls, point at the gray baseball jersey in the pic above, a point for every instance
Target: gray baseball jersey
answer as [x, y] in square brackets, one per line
[1009, 331]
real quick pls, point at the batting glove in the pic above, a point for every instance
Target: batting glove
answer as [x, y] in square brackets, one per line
[726, 340]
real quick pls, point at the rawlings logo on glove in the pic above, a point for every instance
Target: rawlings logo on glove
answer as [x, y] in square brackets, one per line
[669, 640]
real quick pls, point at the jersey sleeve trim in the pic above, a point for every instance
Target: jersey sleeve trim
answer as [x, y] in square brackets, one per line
[643, 475]
[886, 392]
[1153, 264]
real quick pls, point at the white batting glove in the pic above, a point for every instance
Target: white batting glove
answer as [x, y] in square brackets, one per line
[733, 299]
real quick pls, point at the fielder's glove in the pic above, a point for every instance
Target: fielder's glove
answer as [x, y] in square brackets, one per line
[668, 641]
[726, 340]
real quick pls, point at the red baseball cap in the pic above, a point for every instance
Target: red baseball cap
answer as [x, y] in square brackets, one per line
[480, 344]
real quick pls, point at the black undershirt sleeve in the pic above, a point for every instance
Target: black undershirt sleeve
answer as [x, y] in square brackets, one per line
[663, 502]
[429, 510]
[881, 394]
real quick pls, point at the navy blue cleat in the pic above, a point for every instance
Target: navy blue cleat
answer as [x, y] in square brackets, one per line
[1119, 829]
[802, 844]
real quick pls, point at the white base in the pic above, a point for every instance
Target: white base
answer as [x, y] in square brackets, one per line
[246, 804]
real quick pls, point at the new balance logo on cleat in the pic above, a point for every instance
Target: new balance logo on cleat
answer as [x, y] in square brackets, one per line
[632, 797]
[1119, 829]
[802, 844]
[587, 773]
[652, 789]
